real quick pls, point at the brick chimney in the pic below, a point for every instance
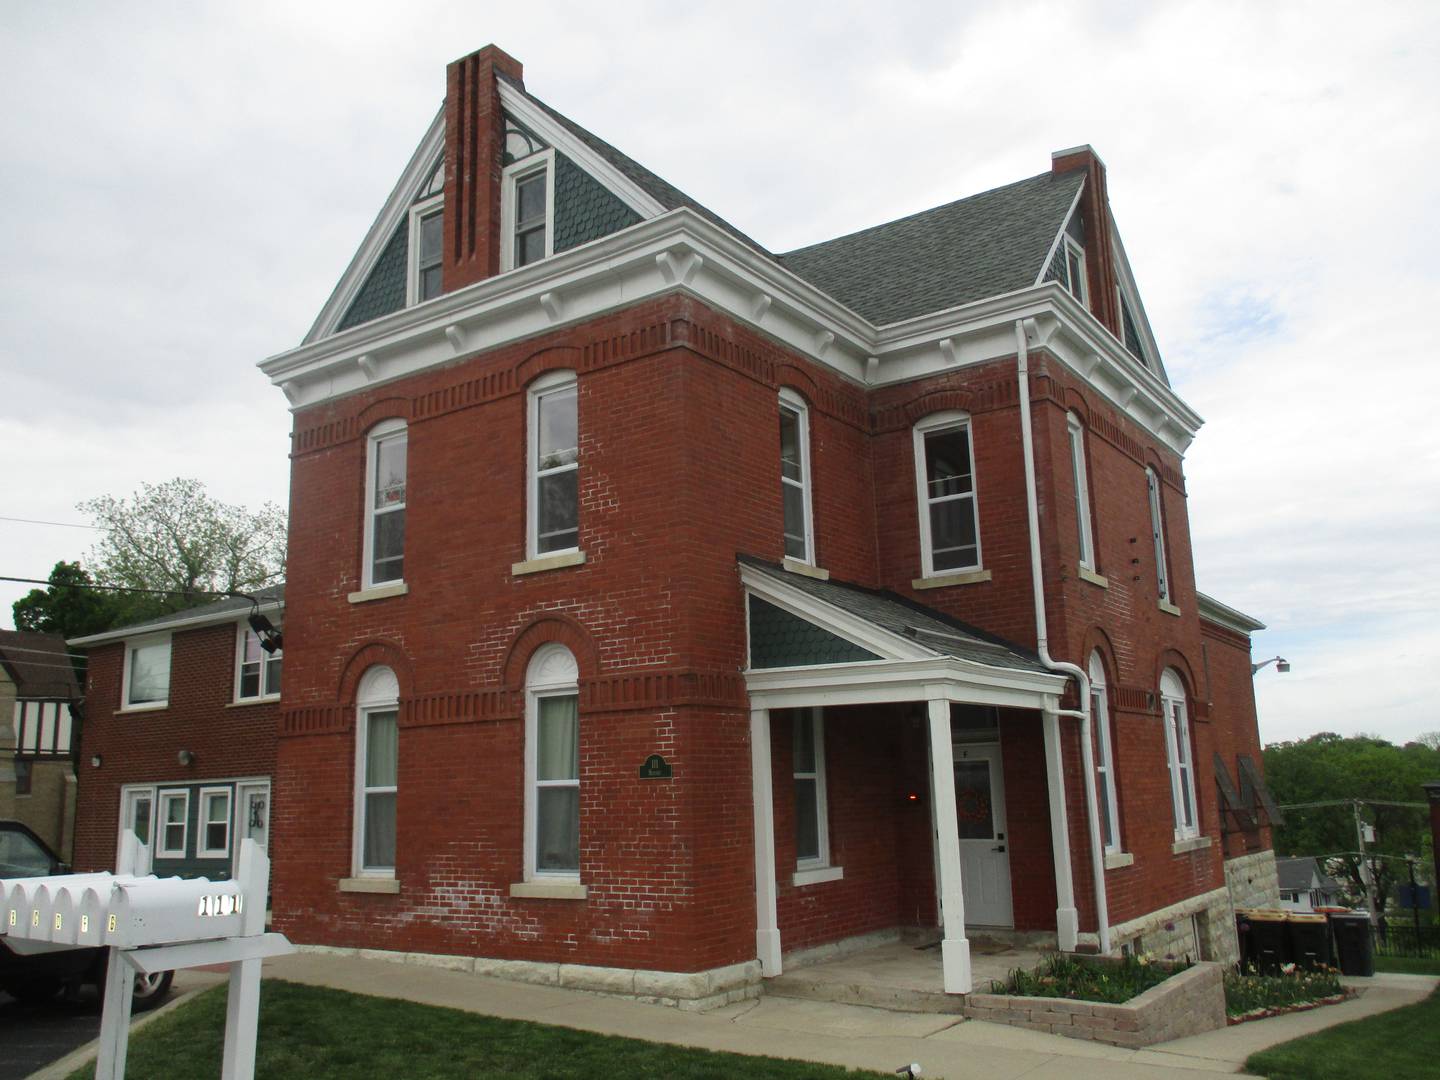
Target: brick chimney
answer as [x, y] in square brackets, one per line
[474, 142]
[1099, 251]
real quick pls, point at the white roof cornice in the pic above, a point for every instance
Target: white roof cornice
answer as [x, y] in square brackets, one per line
[682, 251]
[180, 622]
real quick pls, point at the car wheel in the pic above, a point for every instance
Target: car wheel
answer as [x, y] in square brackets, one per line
[150, 990]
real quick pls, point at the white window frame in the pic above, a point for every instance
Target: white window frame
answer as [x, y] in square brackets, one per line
[552, 672]
[379, 691]
[509, 181]
[126, 792]
[815, 717]
[1104, 755]
[422, 209]
[132, 645]
[1080, 473]
[1080, 289]
[546, 385]
[385, 431]
[1157, 530]
[242, 635]
[1179, 754]
[930, 425]
[163, 799]
[203, 850]
[793, 403]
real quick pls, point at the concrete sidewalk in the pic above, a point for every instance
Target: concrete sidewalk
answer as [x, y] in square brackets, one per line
[849, 1035]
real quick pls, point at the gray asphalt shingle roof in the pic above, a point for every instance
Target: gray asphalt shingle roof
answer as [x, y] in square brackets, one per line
[985, 245]
[890, 611]
[271, 594]
[38, 664]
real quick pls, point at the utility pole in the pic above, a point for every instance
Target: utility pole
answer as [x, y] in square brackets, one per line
[1367, 874]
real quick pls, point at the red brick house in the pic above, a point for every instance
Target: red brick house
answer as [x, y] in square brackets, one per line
[178, 744]
[661, 606]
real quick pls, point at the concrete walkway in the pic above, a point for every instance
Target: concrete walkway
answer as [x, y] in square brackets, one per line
[837, 1034]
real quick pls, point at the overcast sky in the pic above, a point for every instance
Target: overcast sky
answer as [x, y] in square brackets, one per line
[183, 185]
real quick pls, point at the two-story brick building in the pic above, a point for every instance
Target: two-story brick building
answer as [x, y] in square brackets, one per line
[660, 605]
[179, 739]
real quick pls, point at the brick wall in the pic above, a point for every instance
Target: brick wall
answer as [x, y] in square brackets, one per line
[228, 740]
[678, 422]
[1232, 711]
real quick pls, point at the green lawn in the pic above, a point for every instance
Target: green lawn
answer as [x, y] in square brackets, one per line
[1409, 965]
[1400, 1045]
[319, 1033]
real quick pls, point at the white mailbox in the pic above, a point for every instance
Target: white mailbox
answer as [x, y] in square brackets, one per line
[153, 924]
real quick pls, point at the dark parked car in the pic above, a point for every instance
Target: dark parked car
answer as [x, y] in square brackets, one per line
[42, 976]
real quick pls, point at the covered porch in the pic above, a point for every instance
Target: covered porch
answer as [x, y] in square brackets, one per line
[821, 653]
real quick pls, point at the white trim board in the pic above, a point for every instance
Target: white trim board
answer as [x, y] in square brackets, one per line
[681, 251]
[180, 622]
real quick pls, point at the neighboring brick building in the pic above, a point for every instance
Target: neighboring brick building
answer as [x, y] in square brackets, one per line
[179, 738]
[638, 574]
[38, 690]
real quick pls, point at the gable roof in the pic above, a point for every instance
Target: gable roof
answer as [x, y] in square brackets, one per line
[898, 615]
[1301, 874]
[38, 664]
[996, 242]
[271, 598]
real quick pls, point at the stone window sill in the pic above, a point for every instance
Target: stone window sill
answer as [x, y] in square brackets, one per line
[379, 592]
[940, 581]
[795, 566]
[154, 706]
[387, 885]
[1086, 574]
[547, 562]
[1194, 843]
[1169, 608]
[1117, 859]
[818, 875]
[548, 890]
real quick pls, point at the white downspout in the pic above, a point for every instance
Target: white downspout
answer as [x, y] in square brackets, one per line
[1042, 644]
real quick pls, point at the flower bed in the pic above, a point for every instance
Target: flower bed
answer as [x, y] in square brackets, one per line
[1181, 1000]
[1081, 979]
[1251, 996]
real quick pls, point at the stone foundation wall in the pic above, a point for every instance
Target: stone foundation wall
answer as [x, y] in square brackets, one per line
[1199, 928]
[693, 991]
[1253, 881]
[1185, 1004]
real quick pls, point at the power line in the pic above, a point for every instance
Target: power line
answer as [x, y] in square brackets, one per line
[37, 521]
[40, 652]
[123, 588]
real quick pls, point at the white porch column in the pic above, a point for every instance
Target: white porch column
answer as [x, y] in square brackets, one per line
[1067, 920]
[954, 949]
[767, 925]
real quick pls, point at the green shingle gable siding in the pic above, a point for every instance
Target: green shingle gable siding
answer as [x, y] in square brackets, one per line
[779, 639]
[384, 290]
[585, 209]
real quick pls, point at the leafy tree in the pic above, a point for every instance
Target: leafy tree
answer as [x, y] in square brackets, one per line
[1329, 768]
[175, 536]
[69, 609]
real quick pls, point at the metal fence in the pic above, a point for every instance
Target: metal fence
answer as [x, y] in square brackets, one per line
[1398, 939]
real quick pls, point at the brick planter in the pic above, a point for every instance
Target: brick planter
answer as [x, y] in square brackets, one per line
[1184, 1004]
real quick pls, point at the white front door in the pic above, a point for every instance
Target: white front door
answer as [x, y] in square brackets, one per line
[252, 815]
[980, 811]
[137, 815]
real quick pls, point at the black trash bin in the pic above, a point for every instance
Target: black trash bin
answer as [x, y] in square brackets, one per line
[1309, 940]
[1264, 940]
[1353, 943]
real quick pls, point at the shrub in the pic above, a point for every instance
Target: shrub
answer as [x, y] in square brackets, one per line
[1065, 976]
[1247, 992]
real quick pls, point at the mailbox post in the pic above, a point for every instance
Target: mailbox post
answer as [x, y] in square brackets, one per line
[150, 925]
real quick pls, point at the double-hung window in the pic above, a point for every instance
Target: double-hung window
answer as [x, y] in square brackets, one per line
[1157, 532]
[257, 673]
[377, 772]
[1104, 757]
[812, 831]
[1075, 270]
[552, 766]
[427, 228]
[1086, 536]
[214, 842]
[174, 824]
[1177, 750]
[147, 673]
[795, 477]
[527, 208]
[385, 504]
[945, 482]
[553, 505]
